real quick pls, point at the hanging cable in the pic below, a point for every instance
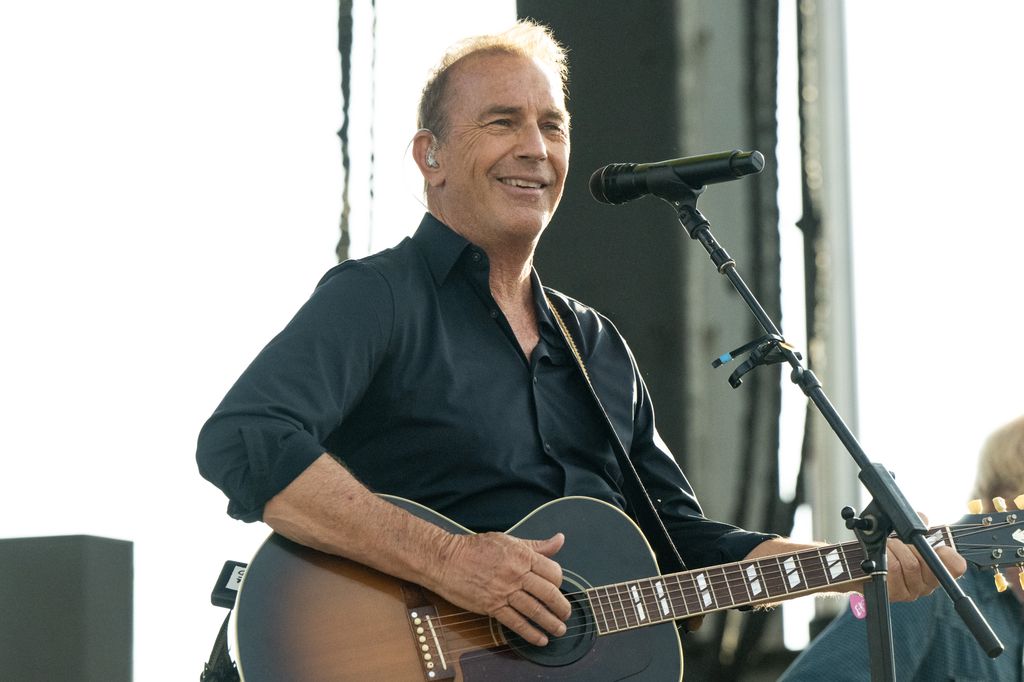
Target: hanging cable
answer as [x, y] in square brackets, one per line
[373, 115]
[345, 52]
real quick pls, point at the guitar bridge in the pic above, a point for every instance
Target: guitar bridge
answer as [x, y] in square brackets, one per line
[429, 638]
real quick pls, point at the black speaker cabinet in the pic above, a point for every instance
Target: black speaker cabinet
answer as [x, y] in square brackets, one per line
[66, 609]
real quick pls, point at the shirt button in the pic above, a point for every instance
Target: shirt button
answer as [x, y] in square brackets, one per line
[476, 256]
[494, 314]
[535, 380]
[547, 447]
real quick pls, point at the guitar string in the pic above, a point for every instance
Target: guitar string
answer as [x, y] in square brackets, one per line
[499, 648]
[624, 610]
[732, 574]
[502, 648]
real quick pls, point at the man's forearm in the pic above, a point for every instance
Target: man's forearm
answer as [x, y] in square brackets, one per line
[510, 579]
[328, 509]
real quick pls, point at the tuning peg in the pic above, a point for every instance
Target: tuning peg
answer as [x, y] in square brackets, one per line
[976, 507]
[1020, 577]
[999, 504]
[1019, 501]
[1001, 583]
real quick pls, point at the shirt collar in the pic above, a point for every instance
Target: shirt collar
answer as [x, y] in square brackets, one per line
[550, 334]
[441, 246]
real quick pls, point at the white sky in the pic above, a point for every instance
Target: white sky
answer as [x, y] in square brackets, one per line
[169, 194]
[934, 122]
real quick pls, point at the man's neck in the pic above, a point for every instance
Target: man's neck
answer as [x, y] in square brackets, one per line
[512, 288]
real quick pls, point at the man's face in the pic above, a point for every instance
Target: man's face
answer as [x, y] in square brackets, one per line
[504, 159]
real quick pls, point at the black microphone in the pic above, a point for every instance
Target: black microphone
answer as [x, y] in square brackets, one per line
[618, 183]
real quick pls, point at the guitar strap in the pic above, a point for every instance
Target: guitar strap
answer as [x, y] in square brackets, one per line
[220, 667]
[636, 495]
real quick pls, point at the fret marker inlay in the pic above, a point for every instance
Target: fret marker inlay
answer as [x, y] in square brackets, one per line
[705, 591]
[665, 608]
[638, 604]
[792, 574]
[755, 584]
[835, 566]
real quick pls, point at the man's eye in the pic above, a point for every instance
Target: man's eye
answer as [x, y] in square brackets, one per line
[503, 122]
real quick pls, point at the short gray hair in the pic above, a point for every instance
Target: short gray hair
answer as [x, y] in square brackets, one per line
[525, 39]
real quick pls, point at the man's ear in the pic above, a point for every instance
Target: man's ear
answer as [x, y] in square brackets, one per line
[427, 157]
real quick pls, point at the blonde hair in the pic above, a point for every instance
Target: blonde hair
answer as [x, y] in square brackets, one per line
[1001, 462]
[524, 39]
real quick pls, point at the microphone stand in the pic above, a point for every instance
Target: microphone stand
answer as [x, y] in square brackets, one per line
[889, 510]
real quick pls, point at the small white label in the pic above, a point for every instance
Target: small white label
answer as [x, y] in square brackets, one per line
[235, 579]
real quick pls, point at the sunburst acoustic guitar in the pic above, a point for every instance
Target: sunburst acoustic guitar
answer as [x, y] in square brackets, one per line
[305, 616]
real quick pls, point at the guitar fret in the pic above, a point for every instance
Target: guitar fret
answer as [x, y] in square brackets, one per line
[824, 568]
[628, 615]
[721, 589]
[845, 563]
[680, 596]
[597, 608]
[774, 585]
[613, 607]
[734, 579]
[650, 601]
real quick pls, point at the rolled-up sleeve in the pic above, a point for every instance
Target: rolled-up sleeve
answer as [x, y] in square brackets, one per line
[273, 422]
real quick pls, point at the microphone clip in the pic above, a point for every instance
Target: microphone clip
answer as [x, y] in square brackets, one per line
[767, 350]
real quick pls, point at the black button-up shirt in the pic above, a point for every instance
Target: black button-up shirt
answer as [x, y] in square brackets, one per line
[404, 367]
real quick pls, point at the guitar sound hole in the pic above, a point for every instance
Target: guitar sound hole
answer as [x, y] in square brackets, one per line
[580, 632]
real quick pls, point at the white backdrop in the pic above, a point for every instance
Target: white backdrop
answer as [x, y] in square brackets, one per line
[935, 120]
[169, 194]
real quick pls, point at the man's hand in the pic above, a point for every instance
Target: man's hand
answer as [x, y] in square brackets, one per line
[510, 579]
[909, 577]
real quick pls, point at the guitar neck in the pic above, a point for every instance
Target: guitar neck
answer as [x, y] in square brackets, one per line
[675, 596]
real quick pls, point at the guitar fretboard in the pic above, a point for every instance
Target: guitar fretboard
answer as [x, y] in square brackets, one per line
[649, 601]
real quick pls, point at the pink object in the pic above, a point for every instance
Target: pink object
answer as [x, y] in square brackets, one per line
[858, 606]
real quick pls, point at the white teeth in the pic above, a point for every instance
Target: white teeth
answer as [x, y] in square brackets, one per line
[516, 182]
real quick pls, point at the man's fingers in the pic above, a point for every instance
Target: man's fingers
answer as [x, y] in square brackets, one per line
[518, 624]
[549, 595]
[906, 580]
[548, 547]
[528, 606]
[954, 562]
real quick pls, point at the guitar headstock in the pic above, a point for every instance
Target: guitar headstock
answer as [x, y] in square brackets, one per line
[993, 539]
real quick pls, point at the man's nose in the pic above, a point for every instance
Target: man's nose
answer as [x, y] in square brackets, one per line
[531, 143]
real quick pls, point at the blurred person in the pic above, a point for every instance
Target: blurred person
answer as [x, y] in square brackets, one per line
[930, 641]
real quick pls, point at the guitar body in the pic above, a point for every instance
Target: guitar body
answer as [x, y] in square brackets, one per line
[306, 616]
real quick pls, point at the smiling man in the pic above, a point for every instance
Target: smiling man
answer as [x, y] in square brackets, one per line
[444, 372]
